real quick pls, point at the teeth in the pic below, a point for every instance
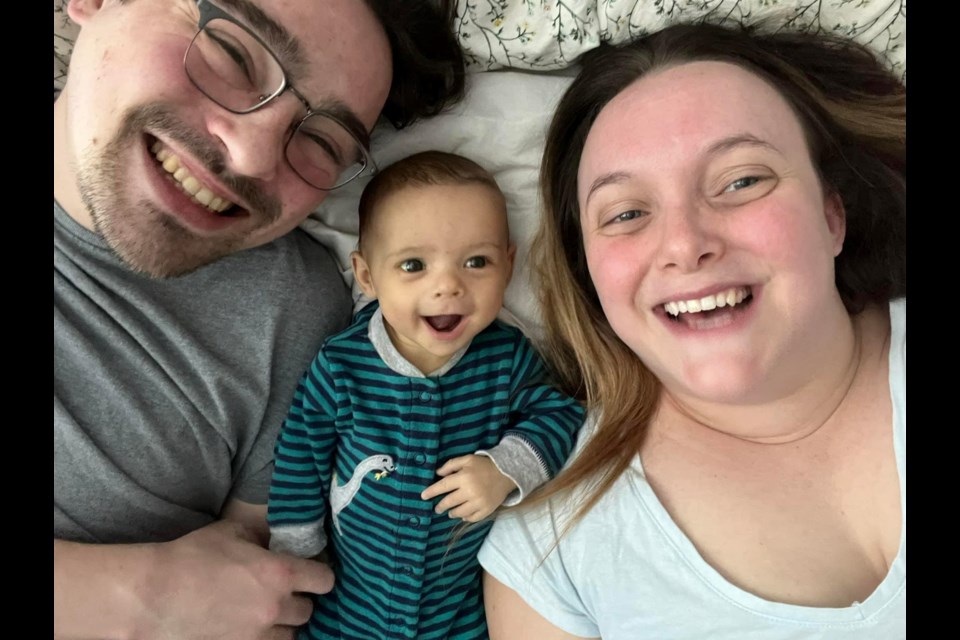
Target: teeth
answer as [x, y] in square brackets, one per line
[203, 195]
[728, 298]
[191, 185]
[171, 164]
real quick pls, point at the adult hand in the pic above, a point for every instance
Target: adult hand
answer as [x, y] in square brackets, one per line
[474, 488]
[215, 583]
[218, 582]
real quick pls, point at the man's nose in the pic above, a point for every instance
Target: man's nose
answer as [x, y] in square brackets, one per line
[255, 143]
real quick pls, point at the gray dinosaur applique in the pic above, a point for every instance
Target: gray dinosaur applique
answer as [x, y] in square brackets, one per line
[340, 496]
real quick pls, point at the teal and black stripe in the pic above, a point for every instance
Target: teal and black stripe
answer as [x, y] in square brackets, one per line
[398, 576]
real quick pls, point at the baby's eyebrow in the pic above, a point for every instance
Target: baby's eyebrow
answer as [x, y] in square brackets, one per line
[408, 252]
[484, 245]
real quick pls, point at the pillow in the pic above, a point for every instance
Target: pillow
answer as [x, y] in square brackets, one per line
[552, 34]
[64, 35]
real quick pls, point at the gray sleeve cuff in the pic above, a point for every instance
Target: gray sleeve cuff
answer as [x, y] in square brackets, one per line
[301, 540]
[516, 459]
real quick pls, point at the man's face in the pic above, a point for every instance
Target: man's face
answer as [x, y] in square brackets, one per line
[171, 179]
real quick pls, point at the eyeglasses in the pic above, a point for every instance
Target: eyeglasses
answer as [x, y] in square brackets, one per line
[232, 66]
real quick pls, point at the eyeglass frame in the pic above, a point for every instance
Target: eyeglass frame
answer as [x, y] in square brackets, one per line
[210, 12]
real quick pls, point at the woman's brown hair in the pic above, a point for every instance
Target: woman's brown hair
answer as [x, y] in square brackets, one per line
[853, 112]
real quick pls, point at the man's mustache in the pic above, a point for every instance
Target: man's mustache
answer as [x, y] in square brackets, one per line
[160, 119]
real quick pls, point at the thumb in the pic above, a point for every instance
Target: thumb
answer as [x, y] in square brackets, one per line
[310, 575]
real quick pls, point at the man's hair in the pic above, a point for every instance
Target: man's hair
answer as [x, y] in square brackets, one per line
[427, 168]
[428, 64]
[853, 114]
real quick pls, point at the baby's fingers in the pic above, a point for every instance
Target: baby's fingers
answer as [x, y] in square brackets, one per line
[451, 501]
[453, 465]
[467, 512]
[440, 487]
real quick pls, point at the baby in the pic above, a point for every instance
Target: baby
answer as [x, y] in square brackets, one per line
[425, 383]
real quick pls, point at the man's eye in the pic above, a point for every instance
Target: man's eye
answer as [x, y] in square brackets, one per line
[475, 262]
[412, 266]
[742, 183]
[236, 54]
[324, 148]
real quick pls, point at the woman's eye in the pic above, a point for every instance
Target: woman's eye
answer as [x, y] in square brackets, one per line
[411, 266]
[476, 262]
[742, 183]
[626, 216]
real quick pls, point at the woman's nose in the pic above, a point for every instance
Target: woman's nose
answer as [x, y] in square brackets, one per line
[687, 242]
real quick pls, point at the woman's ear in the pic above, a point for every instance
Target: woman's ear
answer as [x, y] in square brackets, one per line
[836, 217]
[361, 271]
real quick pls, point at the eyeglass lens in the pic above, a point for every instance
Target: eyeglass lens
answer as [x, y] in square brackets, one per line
[235, 70]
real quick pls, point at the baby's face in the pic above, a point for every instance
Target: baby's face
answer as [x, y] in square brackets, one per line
[438, 258]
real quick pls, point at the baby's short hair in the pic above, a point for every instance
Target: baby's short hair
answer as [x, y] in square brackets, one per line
[427, 168]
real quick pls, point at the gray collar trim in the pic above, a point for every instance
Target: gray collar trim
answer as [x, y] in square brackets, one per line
[377, 332]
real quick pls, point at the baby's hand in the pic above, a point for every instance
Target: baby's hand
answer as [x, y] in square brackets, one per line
[474, 488]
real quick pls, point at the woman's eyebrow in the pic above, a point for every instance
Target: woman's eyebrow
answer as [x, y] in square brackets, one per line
[720, 146]
[739, 140]
[606, 179]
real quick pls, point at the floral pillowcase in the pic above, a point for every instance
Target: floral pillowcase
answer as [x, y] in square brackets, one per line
[64, 33]
[544, 35]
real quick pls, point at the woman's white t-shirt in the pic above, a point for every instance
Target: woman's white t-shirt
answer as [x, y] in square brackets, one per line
[627, 571]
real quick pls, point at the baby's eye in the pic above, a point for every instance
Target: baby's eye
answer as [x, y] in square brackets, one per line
[742, 183]
[412, 265]
[475, 262]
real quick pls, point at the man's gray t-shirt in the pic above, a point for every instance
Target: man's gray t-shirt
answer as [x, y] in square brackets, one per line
[168, 394]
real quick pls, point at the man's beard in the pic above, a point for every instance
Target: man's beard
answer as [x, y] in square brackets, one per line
[144, 237]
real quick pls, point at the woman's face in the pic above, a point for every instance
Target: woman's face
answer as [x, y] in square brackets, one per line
[708, 235]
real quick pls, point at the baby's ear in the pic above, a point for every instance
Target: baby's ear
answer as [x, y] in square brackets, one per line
[362, 273]
[511, 254]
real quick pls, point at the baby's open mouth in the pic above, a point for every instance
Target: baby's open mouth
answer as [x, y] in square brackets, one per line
[444, 323]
